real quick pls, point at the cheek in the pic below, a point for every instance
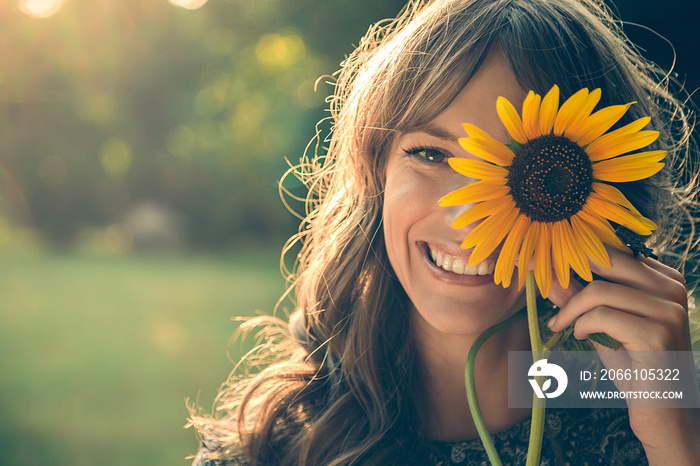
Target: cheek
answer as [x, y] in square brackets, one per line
[410, 206]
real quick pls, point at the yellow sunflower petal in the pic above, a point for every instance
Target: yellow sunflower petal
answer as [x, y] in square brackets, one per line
[597, 124]
[570, 110]
[609, 139]
[642, 220]
[477, 169]
[559, 258]
[574, 252]
[490, 150]
[506, 259]
[630, 167]
[543, 262]
[611, 193]
[486, 230]
[592, 245]
[531, 113]
[572, 131]
[630, 173]
[475, 132]
[619, 215]
[476, 192]
[481, 210]
[605, 147]
[511, 120]
[526, 250]
[548, 110]
[492, 231]
[568, 243]
[602, 228]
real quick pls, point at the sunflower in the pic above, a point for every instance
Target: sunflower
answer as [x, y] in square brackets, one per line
[546, 196]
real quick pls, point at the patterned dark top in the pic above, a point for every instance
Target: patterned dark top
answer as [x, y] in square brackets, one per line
[571, 437]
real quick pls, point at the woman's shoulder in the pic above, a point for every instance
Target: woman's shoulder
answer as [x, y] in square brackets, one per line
[212, 452]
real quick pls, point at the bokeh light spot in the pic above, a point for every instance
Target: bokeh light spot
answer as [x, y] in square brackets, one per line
[189, 4]
[280, 51]
[53, 170]
[169, 336]
[40, 8]
[116, 156]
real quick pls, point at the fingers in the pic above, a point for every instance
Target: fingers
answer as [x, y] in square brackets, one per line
[636, 333]
[663, 268]
[623, 298]
[641, 273]
[643, 305]
[619, 325]
[644, 274]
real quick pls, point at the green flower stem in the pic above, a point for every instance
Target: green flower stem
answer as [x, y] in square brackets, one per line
[553, 340]
[538, 404]
[471, 386]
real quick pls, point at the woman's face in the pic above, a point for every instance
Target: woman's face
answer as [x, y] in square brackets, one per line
[423, 248]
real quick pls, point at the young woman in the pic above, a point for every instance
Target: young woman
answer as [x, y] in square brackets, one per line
[372, 370]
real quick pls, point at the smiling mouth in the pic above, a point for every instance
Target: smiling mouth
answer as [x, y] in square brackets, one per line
[458, 265]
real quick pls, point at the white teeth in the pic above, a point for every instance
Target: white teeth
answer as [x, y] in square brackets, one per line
[471, 270]
[486, 268]
[459, 266]
[447, 263]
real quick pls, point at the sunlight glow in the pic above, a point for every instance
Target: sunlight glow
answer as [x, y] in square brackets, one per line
[40, 8]
[189, 4]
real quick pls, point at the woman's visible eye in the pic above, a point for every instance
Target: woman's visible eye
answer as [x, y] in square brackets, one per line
[428, 154]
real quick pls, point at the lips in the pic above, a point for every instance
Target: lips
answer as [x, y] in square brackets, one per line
[458, 264]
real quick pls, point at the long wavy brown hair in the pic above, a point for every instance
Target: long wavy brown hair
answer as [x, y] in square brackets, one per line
[342, 384]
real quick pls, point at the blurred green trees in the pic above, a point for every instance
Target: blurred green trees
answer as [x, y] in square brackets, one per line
[108, 105]
[116, 113]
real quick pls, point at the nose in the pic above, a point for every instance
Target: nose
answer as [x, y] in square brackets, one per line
[454, 211]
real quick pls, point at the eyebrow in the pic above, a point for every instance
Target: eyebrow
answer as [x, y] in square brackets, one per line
[436, 131]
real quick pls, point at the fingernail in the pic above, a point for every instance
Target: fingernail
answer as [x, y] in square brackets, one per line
[551, 322]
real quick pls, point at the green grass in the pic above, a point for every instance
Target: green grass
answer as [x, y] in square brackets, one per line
[98, 353]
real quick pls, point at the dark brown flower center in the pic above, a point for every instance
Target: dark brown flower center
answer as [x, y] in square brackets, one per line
[550, 178]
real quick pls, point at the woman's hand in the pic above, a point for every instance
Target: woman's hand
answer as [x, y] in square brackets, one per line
[643, 305]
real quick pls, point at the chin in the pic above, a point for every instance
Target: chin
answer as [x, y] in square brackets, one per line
[451, 318]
